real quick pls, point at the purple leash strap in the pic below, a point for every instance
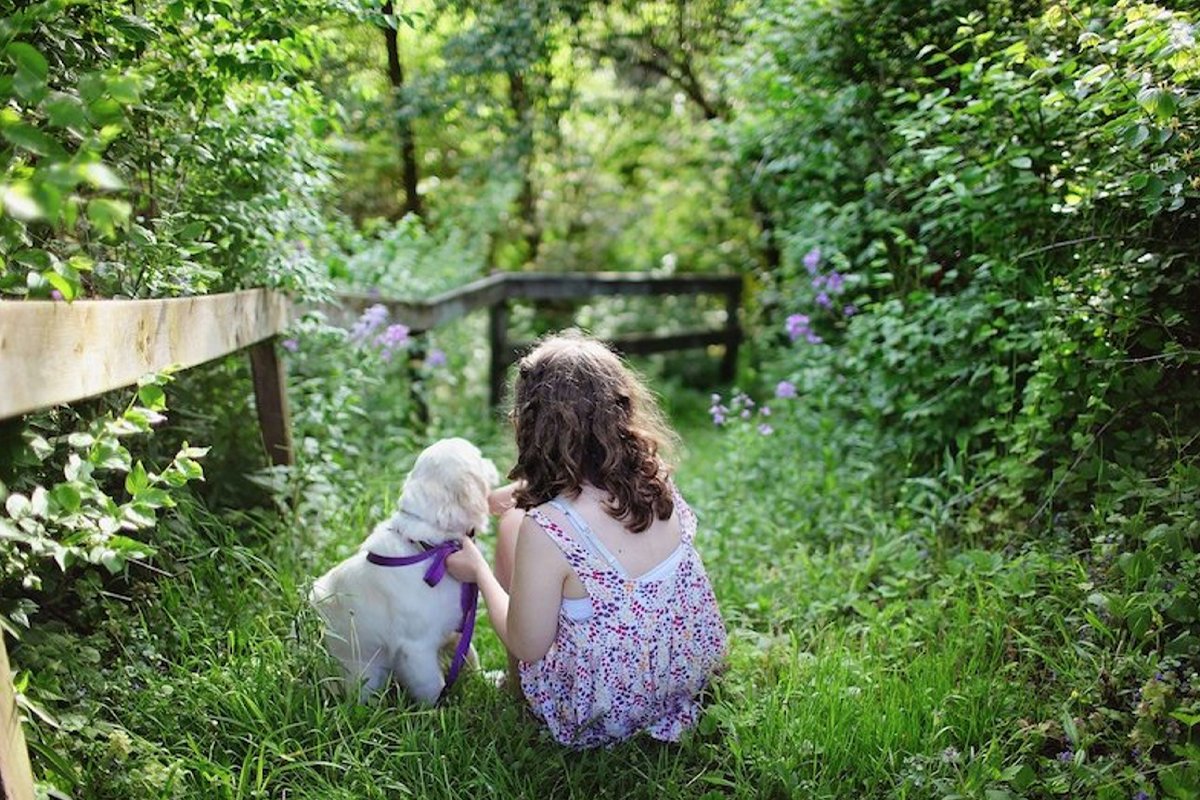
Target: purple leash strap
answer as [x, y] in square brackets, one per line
[468, 598]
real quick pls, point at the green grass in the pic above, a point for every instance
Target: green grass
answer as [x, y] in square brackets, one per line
[867, 660]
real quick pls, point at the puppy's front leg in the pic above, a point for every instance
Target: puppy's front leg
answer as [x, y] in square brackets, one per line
[421, 673]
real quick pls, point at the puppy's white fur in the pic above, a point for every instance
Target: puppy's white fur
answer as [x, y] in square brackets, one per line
[386, 621]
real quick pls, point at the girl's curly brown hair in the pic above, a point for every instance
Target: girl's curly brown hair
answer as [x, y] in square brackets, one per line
[582, 416]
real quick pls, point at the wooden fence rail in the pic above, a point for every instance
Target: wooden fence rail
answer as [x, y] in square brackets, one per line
[495, 293]
[54, 353]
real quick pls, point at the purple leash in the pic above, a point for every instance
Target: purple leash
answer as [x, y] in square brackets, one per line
[468, 598]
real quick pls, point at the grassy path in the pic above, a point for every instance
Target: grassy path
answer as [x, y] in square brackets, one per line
[866, 662]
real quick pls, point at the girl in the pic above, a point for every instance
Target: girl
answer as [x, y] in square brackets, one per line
[598, 593]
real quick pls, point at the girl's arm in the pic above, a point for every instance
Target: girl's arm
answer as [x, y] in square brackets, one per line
[527, 619]
[501, 500]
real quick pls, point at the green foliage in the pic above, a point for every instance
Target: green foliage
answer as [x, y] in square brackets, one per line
[81, 517]
[1015, 127]
[146, 156]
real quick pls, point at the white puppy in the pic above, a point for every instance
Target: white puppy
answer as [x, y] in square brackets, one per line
[385, 620]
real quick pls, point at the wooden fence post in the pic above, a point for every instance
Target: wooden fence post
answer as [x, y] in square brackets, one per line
[498, 338]
[16, 776]
[270, 396]
[733, 333]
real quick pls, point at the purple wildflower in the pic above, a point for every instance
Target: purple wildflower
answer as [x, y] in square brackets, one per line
[291, 345]
[785, 389]
[396, 336]
[765, 429]
[849, 309]
[813, 338]
[765, 411]
[797, 326]
[812, 259]
[823, 300]
[370, 320]
[1066, 756]
[818, 281]
[745, 413]
[1141, 795]
[717, 410]
[436, 358]
[836, 282]
[55, 294]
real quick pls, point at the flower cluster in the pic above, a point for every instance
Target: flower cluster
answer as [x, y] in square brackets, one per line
[741, 406]
[828, 286]
[436, 358]
[368, 323]
[798, 326]
[394, 338]
[367, 330]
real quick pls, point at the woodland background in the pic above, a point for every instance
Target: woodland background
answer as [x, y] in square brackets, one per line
[957, 552]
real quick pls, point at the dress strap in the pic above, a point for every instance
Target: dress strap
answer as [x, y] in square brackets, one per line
[587, 535]
[565, 542]
[588, 566]
[687, 517]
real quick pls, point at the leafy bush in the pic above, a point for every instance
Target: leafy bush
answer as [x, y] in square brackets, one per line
[75, 515]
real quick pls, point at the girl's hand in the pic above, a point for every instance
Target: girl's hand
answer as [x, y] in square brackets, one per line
[468, 564]
[501, 499]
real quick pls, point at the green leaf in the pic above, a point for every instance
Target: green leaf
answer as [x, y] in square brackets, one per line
[1186, 718]
[1162, 103]
[32, 70]
[30, 138]
[138, 514]
[17, 505]
[19, 203]
[67, 287]
[137, 480]
[67, 497]
[1136, 134]
[101, 176]
[1021, 162]
[27, 57]
[107, 215]
[66, 111]
[153, 397]
[124, 90]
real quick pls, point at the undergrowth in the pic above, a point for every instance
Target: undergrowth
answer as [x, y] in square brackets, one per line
[871, 657]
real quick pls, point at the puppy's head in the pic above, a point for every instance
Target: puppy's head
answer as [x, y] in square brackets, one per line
[445, 494]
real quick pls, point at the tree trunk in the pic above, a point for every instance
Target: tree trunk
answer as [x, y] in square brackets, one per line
[408, 146]
[531, 231]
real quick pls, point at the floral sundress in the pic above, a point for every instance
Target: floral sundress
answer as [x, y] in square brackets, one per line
[638, 658]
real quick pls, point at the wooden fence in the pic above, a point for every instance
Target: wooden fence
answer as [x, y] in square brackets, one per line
[497, 292]
[55, 353]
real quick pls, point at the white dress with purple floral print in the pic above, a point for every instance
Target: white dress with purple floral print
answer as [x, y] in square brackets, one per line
[639, 655]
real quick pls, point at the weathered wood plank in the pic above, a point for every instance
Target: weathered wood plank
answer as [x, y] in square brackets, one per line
[733, 332]
[438, 310]
[501, 357]
[640, 345]
[270, 398]
[576, 285]
[456, 303]
[53, 352]
[16, 777]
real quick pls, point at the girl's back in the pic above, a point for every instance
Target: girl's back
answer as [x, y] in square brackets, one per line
[639, 633]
